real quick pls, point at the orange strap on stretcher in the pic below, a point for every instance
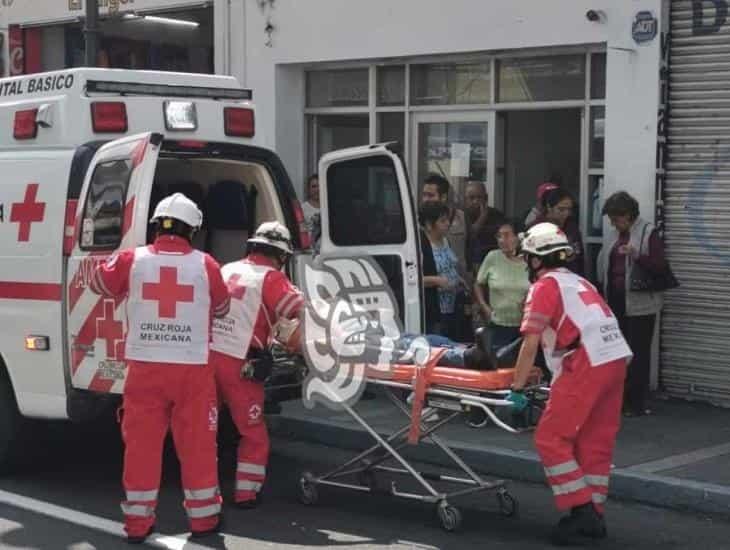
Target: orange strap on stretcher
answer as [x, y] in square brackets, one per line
[421, 384]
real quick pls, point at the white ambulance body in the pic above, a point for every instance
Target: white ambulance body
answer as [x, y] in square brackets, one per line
[86, 154]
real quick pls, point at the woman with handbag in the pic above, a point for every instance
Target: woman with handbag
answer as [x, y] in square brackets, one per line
[633, 273]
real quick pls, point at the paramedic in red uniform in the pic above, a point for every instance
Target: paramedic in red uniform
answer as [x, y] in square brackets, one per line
[172, 292]
[587, 355]
[261, 296]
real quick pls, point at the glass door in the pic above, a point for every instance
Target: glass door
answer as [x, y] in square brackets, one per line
[456, 145]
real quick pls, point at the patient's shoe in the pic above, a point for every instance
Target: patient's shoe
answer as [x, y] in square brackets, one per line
[477, 359]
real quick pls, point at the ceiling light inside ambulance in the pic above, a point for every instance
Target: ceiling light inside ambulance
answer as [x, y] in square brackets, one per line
[239, 122]
[180, 115]
[109, 117]
[25, 126]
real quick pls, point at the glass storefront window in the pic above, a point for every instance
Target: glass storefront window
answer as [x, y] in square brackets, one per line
[541, 78]
[596, 137]
[333, 132]
[391, 85]
[598, 76]
[455, 150]
[391, 127]
[450, 84]
[136, 42]
[337, 88]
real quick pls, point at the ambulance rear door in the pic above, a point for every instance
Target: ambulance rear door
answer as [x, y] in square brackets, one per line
[367, 210]
[111, 215]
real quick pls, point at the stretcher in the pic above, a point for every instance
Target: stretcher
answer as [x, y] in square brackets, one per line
[434, 391]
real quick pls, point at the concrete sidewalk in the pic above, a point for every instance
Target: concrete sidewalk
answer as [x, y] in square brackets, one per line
[678, 458]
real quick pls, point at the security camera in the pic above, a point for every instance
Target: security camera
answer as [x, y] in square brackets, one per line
[595, 16]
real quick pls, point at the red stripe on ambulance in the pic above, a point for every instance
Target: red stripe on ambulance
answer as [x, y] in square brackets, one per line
[47, 292]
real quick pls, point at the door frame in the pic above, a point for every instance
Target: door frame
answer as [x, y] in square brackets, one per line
[453, 116]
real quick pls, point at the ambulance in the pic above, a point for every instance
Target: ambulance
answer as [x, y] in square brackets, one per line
[86, 155]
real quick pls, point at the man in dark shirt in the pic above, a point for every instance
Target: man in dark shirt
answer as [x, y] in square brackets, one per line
[483, 221]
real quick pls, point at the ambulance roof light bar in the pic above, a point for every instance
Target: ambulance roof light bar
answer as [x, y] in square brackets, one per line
[166, 90]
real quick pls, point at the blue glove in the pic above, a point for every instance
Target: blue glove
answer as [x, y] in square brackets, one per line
[518, 400]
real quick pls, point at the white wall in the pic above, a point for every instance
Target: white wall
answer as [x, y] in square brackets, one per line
[632, 102]
[314, 31]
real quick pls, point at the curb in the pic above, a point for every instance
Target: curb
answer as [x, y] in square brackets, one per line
[656, 490]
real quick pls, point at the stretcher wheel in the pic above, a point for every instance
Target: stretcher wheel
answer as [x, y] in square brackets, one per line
[307, 490]
[449, 516]
[508, 506]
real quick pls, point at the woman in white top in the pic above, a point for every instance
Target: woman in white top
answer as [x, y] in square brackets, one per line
[310, 207]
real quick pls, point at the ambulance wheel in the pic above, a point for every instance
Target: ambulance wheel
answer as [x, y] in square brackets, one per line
[10, 423]
[307, 489]
[449, 516]
[508, 506]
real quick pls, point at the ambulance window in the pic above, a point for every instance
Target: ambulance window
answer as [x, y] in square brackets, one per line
[101, 225]
[364, 203]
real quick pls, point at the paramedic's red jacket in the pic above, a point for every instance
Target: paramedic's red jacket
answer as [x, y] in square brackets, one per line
[112, 277]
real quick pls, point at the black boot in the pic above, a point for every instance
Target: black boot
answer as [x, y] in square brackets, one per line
[583, 522]
[476, 359]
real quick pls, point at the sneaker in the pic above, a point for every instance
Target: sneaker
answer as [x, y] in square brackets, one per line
[249, 504]
[207, 532]
[139, 539]
[583, 522]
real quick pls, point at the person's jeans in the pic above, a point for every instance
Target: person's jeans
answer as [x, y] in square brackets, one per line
[454, 356]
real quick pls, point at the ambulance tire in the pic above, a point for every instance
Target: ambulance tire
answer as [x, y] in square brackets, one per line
[10, 424]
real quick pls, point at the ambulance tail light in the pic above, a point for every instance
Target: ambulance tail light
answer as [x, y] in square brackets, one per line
[239, 122]
[69, 229]
[25, 125]
[304, 237]
[109, 117]
[37, 343]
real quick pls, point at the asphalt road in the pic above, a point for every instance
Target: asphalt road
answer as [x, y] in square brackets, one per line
[66, 495]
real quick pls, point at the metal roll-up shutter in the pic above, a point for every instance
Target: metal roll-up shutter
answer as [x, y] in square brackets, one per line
[695, 342]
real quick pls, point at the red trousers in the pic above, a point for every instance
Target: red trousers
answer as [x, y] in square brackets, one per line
[159, 396]
[577, 431]
[245, 400]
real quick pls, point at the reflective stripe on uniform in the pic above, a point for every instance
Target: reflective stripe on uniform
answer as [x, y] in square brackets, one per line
[203, 511]
[201, 494]
[144, 496]
[248, 468]
[597, 480]
[561, 469]
[598, 498]
[246, 485]
[141, 510]
[570, 487]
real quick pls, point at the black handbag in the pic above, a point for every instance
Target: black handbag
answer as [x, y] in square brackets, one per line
[643, 280]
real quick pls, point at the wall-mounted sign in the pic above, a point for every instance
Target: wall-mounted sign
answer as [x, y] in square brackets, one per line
[644, 28]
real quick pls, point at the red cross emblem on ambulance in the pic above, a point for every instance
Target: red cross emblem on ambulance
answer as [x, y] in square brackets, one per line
[28, 212]
[167, 292]
[110, 330]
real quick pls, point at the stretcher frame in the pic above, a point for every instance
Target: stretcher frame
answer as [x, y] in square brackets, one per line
[367, 463]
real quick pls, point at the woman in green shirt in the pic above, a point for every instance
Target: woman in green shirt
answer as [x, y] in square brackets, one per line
[501, 288]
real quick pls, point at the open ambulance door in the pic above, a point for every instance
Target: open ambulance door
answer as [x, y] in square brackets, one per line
[111, 215]
[367, 210]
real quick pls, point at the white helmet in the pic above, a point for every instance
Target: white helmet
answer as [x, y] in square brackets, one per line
[544, 239]
[273, 234]
[179, 207]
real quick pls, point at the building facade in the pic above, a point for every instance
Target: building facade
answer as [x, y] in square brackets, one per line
[46, 35]
[601, 96]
